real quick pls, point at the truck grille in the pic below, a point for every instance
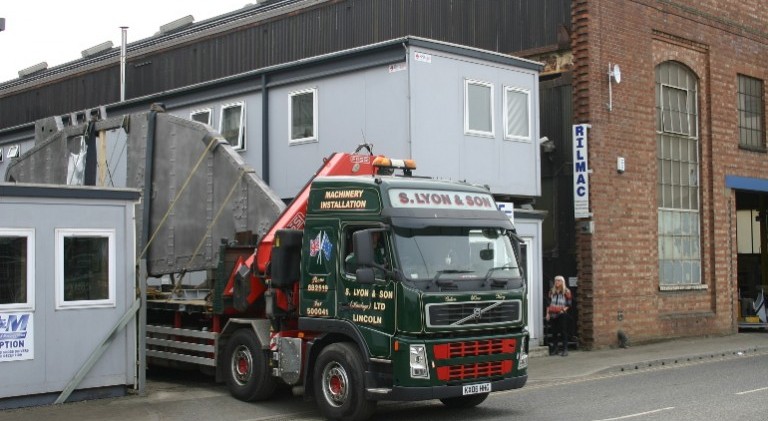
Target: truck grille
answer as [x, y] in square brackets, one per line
[478, 313]
[474, 371]
[471, 349]
[474, 348]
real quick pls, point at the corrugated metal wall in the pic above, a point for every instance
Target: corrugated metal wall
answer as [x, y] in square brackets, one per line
[505, 26]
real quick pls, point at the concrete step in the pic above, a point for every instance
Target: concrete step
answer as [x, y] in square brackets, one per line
[538, 351]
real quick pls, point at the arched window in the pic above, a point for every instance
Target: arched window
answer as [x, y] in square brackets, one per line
[677, 155]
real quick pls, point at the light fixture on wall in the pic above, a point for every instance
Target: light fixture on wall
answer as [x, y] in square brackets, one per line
[614, 74]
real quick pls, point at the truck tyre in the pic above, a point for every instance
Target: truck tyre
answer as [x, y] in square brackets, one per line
[246, 367]
[461, 402]
[339, 384]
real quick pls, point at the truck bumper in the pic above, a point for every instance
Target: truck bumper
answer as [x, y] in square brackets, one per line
[400, 393]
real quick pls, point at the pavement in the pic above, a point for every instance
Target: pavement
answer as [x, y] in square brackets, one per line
[544, 368]
[193, 398]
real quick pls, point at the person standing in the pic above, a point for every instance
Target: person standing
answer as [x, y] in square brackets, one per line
[557, 313]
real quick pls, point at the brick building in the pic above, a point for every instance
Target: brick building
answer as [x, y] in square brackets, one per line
[660, 255]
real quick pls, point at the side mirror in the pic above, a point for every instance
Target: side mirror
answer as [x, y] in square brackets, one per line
[486, 254]
[365, 275]
[363, 249]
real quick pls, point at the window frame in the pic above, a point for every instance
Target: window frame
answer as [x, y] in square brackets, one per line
[760, 113]
[507, 136]
[29, 233]
[315, 117]
[678, 229]
[111, 300]
[201, 111]
[479, 133]
[691, 125]
[240, 146]
[14, 151]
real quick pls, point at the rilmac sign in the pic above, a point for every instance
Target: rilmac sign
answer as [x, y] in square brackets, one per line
[580, 172]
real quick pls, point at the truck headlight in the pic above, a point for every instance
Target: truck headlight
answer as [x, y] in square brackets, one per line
[523, 360]
[418, 359]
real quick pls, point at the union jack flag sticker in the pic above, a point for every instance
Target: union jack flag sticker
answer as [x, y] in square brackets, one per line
[321, 246]
[314, 245]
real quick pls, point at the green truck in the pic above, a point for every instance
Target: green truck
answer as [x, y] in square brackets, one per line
[395, 287]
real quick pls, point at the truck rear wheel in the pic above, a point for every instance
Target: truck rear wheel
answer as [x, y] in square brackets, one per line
[339, 384]
[461, 402]
[246, 367]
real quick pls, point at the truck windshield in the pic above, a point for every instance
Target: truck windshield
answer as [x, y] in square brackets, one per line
[455, 254]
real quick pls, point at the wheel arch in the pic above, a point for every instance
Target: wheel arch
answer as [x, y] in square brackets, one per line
[260, 328]
[335, 331]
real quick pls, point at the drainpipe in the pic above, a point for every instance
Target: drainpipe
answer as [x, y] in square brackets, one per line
[124, 30]
[410, 104]
[763, 205]
[264, 130]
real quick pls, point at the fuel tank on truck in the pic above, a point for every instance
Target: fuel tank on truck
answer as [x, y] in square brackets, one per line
[202, 191]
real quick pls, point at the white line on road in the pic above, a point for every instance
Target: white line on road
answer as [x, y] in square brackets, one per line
[752, 391]
[638, 414]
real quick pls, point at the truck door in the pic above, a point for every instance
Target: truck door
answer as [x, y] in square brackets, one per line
[369, 306]
[319, 259]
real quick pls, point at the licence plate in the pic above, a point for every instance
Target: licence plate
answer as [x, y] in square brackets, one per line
[473, 389]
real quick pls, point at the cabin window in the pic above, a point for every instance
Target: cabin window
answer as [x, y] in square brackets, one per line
[232, 125]
[517, 113]
[202, 116]
[17, 268]
[302, 115]
[478, 108]
[85, 268]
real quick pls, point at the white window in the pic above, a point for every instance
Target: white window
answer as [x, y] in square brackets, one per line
[85, 268]
[17, 269]
[517, 114]
[302, 115]
[202, 116]
[232, 125]
[14, 151]
[478, 108]
[78, 153]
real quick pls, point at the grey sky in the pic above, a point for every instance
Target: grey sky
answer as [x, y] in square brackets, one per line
[57, 32]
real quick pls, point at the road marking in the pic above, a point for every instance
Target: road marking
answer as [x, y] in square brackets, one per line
[640, 414]
[752, 391]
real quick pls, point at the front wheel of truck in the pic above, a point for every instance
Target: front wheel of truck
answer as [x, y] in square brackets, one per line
[461, 402]
[339, 384]
[246, 367]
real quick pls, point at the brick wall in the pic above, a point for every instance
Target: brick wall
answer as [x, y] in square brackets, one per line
[618, 262]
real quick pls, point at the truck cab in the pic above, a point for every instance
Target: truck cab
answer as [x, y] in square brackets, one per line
[419, 280]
